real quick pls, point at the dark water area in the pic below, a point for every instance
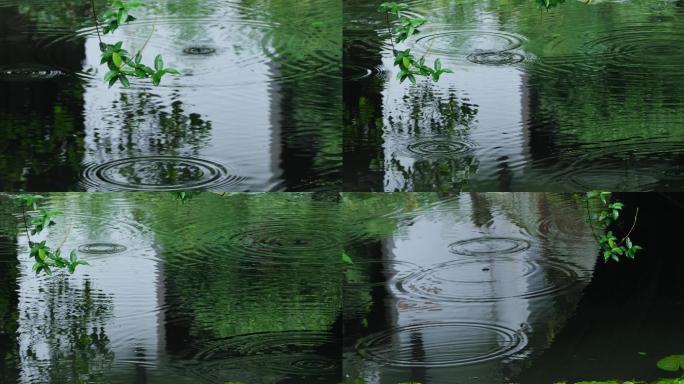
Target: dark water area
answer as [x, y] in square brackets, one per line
[580, 97]
[257, 108]
[250, 288]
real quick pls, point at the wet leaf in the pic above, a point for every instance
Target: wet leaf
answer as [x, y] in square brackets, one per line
[672, 363]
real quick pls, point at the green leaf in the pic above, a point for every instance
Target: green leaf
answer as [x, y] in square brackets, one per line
[406, 62]
[122, 16]
[110, 75]
[116, 59]
[124, 81]
[672, 363]
[158, 63]
[156, 78]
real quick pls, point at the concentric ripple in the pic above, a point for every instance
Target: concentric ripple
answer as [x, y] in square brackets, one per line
[490, 280]
[495, 58]
[438, 147]
[489, 246]
[29, 73]
[444, 344]
[294, 352]
[199, 50]
[102, 248]
[159, 173]
[466, 43]
[634, 49]
[639, 45]
[280, 240]
[249, 51]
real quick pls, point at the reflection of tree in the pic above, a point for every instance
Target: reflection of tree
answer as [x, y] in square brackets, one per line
[296, 289]
[9, 314]
[140, 127]
[308, 108]
[40, 121]
[362, 114]
[426, 115]
[65, 337]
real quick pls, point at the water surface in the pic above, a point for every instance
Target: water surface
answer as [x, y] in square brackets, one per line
[250, 288]
[584, 96]
[252, 111]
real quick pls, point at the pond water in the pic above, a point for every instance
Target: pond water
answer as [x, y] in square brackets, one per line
[256, 107]
[250, 288]
[582, 96]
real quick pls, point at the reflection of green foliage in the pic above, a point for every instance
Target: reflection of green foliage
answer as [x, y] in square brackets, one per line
[550, 3]
[70, 321]
[242, 294]
[425, 114]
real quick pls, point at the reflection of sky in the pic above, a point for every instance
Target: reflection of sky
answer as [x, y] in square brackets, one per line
[229, 88]
[132, 280]
[425, 242]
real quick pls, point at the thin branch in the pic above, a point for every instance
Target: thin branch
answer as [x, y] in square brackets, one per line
[389, 30]
[97, 25]
[631, 229]
[23, 215]
[591, 222]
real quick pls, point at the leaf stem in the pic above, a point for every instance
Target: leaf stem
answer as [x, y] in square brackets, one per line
[389, 30]
[23, 215]
[591, 222]
[97, 25]
[631, 229]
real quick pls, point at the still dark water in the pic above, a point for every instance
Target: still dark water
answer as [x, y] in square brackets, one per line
[581, 97]
[250, 288]
[258, 106]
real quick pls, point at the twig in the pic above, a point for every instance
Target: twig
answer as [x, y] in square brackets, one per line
[389, 30]
[23, 215]
[97, 25]
[591, 222]
[631, 229]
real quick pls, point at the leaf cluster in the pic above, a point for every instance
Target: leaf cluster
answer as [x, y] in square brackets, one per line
[45, 257]
[119, 14]
[409, 65]
[609, 211]
[120, 62]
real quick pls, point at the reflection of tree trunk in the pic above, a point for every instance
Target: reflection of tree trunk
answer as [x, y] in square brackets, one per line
[418, 374]
[41, 121]
[363, 167]
[630, 307]
[378, 316]
[9, 313]
[540, 137]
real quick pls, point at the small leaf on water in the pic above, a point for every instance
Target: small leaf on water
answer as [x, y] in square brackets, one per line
[672, 363]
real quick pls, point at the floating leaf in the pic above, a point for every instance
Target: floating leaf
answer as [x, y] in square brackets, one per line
[672, 363]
